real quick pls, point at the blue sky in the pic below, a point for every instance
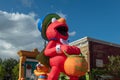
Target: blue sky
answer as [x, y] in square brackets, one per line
[98, 19]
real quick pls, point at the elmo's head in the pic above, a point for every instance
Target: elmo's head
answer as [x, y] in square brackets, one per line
[53, 27]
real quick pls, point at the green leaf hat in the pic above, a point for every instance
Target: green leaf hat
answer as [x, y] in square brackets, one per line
[43, 23]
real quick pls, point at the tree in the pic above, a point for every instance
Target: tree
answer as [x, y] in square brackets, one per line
[8, 65]
[2, 72]
[15, 72]
[0, 61]
[114, 65]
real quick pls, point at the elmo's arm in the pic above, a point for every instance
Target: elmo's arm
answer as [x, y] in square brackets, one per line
[53, 49]
[70, 49]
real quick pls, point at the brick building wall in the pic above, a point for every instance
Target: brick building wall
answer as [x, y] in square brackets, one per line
[96, 51]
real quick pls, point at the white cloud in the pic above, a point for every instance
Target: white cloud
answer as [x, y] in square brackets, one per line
[18, 31]
[5, 45]
[72, 33]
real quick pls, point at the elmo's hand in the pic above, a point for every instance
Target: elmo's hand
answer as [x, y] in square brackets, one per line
[70, 49]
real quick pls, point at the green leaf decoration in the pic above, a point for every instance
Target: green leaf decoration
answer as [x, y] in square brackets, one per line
[43, 59]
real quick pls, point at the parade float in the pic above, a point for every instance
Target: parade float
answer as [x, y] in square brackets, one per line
[54, 30]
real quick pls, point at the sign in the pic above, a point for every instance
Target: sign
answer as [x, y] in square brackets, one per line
[99, 63]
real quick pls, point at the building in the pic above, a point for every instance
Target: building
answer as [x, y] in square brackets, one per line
[96, 51]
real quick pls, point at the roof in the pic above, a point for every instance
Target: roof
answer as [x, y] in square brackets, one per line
[85, 39]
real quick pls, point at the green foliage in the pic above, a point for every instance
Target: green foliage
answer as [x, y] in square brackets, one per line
[63, 77]
[6, 67]
[99, 71]
[15, 72]
[82, 78]
[113, 66]
[2, 72]
[0, 61]
[43, 59]
[9, 64]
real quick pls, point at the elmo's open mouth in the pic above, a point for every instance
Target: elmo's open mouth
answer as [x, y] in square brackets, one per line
[62, 30]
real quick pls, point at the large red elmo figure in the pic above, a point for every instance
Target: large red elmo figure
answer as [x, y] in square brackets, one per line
[55, 30]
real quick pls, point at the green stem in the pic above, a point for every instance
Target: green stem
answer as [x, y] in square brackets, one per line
[66, 53]
[81, 54]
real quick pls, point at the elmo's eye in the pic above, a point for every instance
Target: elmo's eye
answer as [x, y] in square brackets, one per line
[53, 19]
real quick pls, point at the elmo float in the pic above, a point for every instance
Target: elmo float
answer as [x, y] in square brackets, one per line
[55, 30]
